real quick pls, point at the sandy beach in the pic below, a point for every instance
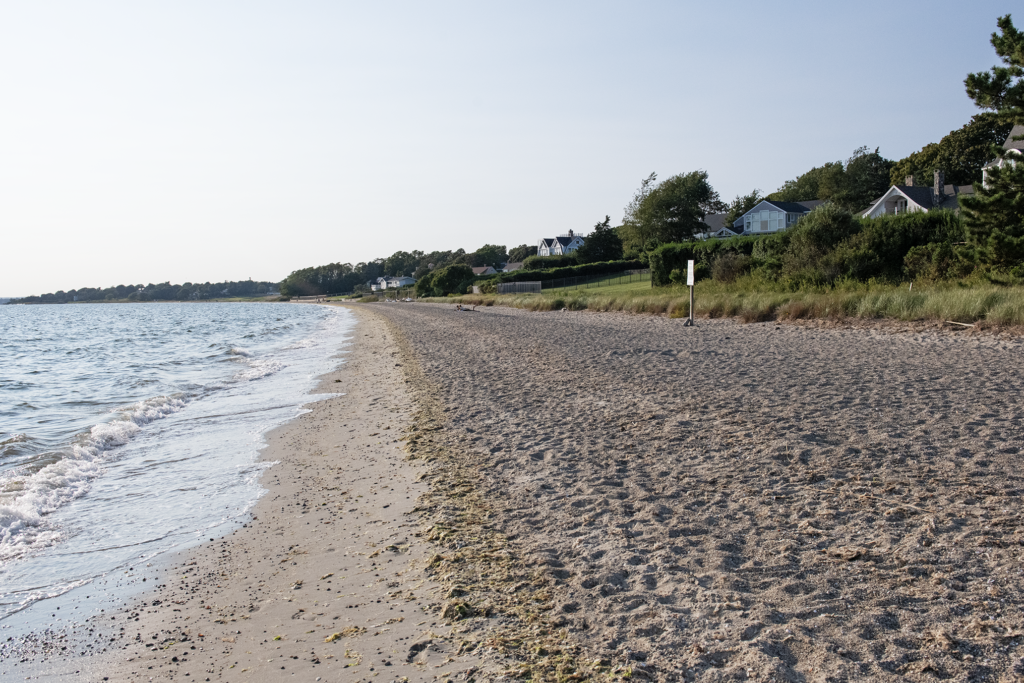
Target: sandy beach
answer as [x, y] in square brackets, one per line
[609, 496]
[732, 502]
[328, 581]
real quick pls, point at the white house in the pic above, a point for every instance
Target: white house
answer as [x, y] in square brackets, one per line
[512, 266]
[397, 282]
[908, 198]
[557, 246]
[772, 216]
[378, 284]
[1014, 149]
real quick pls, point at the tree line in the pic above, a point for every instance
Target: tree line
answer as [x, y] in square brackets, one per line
[164, 291]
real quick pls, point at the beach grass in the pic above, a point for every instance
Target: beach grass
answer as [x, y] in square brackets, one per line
[980, 304]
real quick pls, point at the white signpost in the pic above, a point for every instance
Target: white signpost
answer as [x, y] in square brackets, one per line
[689, 283]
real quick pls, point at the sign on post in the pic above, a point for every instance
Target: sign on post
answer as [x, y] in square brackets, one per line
[689, 283]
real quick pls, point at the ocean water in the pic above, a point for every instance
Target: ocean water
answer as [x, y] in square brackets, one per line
[128, 431]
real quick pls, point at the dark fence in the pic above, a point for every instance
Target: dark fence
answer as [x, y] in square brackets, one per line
[519, 287]
[594, 281]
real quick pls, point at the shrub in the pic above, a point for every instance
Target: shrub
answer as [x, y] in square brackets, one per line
[729, 266]
[425, 285]
[452, 279]
[572, 271]
[813, 238]
[882, 246]
[669, 257]
[545, 262]
[938, 261]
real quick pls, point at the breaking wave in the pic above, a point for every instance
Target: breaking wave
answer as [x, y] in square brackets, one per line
[27, 495]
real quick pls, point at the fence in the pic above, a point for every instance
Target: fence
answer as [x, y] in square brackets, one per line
[519, 288]
[592, 281]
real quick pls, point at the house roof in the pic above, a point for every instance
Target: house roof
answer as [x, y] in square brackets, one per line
[794, 207]
[715, 221]
[547, 242]
[514, 265]
[922, 196]
[1018, 130]
[564, 240]
[481, 270]
[812, 203]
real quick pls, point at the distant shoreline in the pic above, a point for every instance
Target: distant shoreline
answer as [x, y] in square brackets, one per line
[275, 299]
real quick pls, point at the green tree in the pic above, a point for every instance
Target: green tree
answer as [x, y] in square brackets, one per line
[1002, 89]
[866, 178]
[450, 279]
[402, 263]
[637, 229]
[493, 255]
[672, 211]
[522, 252]
[853, 185]
[821, 182]
[960, 155]
[601, 245]
[741, 205]
[994, 216]
[425, 284]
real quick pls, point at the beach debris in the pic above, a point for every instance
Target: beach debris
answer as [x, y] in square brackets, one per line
[349, 632]
[327, 576]
[296, 586]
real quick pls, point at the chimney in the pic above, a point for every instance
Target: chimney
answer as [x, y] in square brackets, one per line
[570, 233]
[909, 181]
[940, 187]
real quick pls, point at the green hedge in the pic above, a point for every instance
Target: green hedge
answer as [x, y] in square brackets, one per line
[547, 262]
[669, 257]
[571, 271]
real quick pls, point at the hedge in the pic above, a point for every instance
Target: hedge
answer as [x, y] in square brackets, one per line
[601, 268]
[547, 262]
[669, 257]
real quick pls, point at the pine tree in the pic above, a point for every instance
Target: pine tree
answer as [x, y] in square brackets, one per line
[1002, 89]
[994, 217]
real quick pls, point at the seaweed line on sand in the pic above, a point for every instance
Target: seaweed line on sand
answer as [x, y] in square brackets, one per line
[475, 564]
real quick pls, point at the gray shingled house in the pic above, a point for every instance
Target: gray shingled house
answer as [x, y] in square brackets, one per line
[909, 197]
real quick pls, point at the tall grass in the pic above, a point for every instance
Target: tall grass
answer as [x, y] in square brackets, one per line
[985, 304]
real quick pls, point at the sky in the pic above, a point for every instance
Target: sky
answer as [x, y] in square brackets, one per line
[206, 141]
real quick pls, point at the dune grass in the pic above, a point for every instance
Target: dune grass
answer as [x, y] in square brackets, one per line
[982, 304]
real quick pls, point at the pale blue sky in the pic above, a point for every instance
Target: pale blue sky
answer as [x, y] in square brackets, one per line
[194, 141]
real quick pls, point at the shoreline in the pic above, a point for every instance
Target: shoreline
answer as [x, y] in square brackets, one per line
[331, 554]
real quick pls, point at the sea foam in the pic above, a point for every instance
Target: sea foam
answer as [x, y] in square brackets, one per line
[30, 495]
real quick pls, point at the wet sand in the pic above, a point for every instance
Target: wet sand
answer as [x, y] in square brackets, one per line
[327, 581]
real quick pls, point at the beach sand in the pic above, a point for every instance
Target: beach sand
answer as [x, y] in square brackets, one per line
[331, 554]
[729, 501]
[608, 496]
